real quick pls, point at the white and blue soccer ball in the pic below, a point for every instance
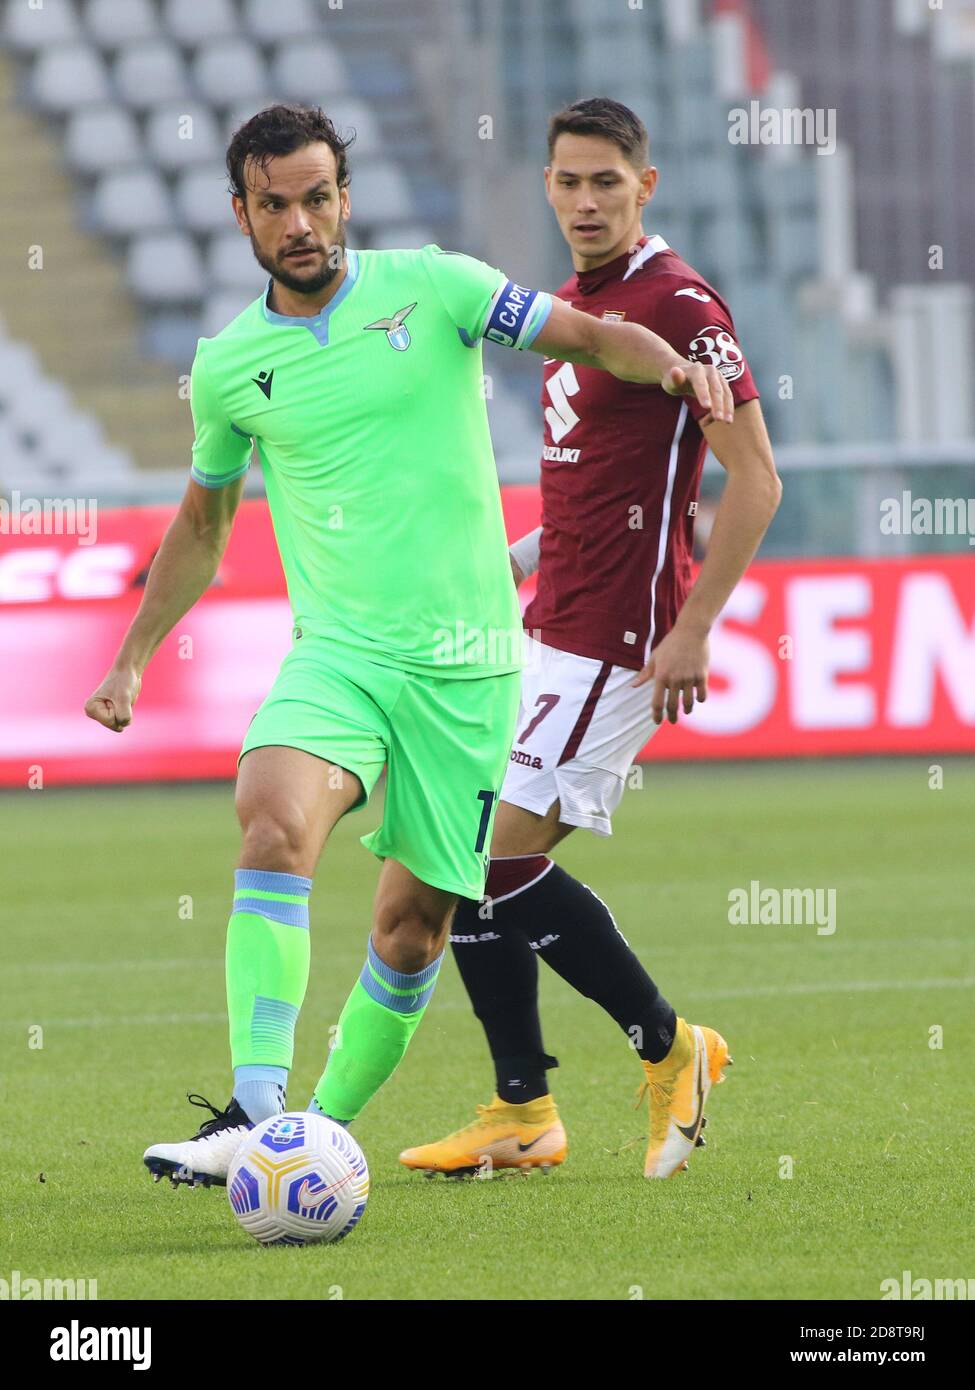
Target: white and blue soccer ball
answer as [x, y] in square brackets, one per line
[298, 1178]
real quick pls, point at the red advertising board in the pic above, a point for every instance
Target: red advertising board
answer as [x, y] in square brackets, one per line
[810, 657]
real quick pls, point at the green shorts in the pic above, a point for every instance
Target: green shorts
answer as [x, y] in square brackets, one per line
[446, 743]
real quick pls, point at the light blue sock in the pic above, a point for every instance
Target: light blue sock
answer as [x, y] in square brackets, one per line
[260, 1091]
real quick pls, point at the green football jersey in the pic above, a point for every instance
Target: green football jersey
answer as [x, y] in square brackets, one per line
[370, 424]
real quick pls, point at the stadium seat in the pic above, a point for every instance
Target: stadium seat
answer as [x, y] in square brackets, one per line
[230, 71]
[174, 144]
[112, 23]
[308, 71]
[230, 263]
[223, 306]
[13, 463]
[69, 75]
[203, 201]
[130, 201]
[267, 23]
[74, 436]
[19, 368]
[191, 23]
[385, 78]
[348, 113]
[111, 462]
[239, 113]
[29, 29]
[45, 401]
[165, 268]
[150, 73]
[44, 437]
[379, 194]
[101, 137]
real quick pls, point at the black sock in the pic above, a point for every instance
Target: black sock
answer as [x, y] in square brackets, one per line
[500, 973]
[574, 932]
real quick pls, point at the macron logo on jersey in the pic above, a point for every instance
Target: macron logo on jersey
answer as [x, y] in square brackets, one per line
[263, 380]
[510, 314]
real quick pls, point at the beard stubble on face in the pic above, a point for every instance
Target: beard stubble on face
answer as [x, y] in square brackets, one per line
[332, 262]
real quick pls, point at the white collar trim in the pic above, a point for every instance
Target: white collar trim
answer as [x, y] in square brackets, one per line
[645, 253]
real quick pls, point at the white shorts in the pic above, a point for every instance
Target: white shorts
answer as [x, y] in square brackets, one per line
[580, 725]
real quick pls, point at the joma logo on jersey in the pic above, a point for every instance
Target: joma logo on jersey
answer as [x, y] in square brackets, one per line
[397, 335]
[526, 759]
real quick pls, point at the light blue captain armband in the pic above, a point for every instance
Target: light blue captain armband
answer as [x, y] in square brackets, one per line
[516, 315]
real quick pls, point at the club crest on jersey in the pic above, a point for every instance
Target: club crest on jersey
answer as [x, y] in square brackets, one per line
[397, 334]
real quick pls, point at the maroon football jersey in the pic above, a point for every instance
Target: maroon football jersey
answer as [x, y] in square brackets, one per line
[621, 464]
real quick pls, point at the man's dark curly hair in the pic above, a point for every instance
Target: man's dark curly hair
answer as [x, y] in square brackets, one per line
[278, 130]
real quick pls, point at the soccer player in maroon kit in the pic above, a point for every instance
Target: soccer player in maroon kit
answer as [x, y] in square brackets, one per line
[616, 640]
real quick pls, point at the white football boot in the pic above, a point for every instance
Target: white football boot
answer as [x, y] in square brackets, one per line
[206, 1158]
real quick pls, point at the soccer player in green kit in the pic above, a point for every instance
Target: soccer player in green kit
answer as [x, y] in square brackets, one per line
[357, 377]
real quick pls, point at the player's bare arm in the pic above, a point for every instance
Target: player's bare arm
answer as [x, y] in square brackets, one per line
[679, 665]
[183, 569]
[632, 353]
[524, 556]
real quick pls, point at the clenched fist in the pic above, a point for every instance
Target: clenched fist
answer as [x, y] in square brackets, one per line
[111, 704]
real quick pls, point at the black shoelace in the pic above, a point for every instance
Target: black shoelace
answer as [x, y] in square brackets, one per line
[222, 1119]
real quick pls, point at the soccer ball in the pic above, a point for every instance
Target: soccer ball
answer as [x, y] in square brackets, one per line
[298, 1178]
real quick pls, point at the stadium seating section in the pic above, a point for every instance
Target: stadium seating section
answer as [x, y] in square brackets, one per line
[44, 438]
[141, 97]
[147, 93]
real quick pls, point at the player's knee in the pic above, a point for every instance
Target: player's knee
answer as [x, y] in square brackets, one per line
[408, 934]
[276, 838]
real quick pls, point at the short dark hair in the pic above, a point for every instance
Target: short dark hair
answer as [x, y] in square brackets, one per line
[282, 129]
[610, 119]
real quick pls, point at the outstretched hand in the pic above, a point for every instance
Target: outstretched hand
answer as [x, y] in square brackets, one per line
[706, 385]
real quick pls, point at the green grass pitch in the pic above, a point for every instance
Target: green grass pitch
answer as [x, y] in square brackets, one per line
[831, 1037]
